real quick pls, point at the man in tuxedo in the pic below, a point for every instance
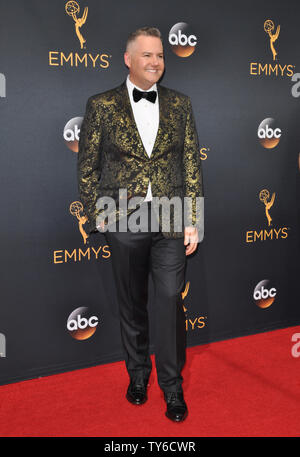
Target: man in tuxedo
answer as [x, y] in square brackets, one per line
[141, 137]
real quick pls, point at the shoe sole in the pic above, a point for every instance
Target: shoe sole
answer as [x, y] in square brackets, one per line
[135, 402]
[176, 420]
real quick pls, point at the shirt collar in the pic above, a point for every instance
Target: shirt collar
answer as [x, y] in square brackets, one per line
[131, 86]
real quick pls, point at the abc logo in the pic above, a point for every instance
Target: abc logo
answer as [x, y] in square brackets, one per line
[264, 294]
[181, 39]
[72, 132]
[268, 134]
[81, 324]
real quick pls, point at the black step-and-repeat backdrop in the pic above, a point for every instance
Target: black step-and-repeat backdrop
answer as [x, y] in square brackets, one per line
[238, 62]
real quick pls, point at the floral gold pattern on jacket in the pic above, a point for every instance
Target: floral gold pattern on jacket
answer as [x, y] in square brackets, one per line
[112, 156]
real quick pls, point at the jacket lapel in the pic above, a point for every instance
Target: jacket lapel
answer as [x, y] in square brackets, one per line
[164, 119]
[129, 121]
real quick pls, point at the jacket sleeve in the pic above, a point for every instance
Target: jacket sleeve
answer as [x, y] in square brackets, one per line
[192, 169]
[88, 165]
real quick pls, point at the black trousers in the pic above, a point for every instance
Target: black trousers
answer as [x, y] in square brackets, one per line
[134, 256]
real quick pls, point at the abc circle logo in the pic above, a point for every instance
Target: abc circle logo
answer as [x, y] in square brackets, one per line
[268, 134]
[264, 294]
[81, 324]
[71, 133]
[181, 39]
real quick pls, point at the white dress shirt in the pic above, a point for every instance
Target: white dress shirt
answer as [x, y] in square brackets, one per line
[146, 115]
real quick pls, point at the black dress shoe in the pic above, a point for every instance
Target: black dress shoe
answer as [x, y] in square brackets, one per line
[137, 392]
[176, 406]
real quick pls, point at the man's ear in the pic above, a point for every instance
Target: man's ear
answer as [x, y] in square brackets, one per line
[127, 59]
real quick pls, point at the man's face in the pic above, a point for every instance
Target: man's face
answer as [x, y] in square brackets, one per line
[145, 61]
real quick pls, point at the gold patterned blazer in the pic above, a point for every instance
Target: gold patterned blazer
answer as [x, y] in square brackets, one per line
[112, 156]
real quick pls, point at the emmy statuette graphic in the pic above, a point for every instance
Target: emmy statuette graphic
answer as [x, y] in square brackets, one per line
[268, 28]
[264, 196]
[75, 209]
[184, 294]
[72, 8]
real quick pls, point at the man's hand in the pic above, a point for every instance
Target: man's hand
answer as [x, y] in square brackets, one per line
[191, 239]
[100, 227]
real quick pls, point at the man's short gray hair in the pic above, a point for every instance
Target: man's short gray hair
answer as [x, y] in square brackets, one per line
[147, 31]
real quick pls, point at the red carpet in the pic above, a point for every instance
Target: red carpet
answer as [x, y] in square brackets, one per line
[247, 386]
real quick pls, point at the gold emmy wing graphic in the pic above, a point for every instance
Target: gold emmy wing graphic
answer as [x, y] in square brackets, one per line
[184, 294]
[264, 196]
[72, 8]
[75, 209]
[268, 28]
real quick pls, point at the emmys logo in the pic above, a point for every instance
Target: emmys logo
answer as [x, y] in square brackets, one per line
[76, 208]
[264, 295]
[77, 255]
[71, 133]
[181, 39]
[197, 322]
[268, 135]
[72, 8]
[75, 59]
[81, 324]
[268, 69]
[2, 345]
[271, 233]
[2, 86]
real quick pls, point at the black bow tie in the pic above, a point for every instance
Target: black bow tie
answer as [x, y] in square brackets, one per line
[138, 94]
